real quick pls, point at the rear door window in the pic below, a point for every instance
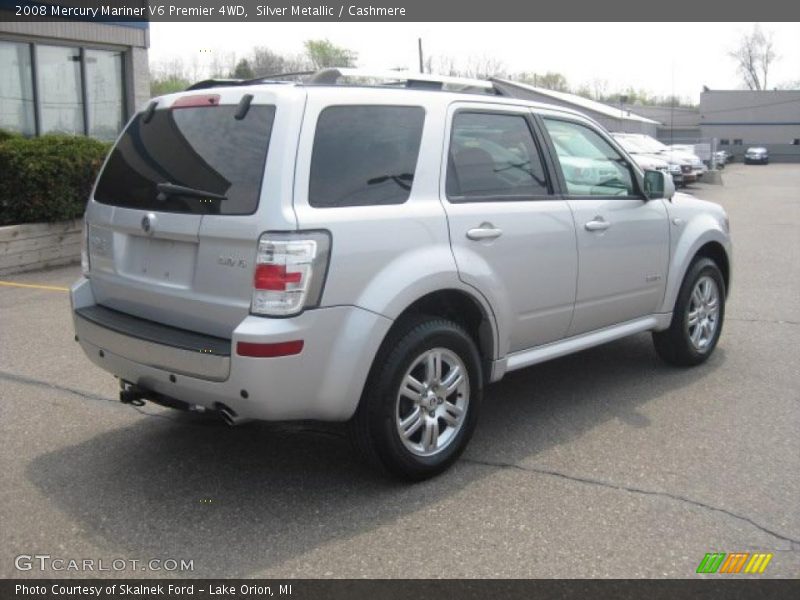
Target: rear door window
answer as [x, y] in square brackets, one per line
[364, 155]
[493, 156]
[205, 149]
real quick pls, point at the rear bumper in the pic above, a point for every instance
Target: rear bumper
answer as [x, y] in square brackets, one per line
[323, 382]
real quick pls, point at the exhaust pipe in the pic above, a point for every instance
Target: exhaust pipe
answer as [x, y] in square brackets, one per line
[229, 415]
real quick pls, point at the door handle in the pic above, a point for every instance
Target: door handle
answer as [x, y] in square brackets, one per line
[484, 232]
[597, 224]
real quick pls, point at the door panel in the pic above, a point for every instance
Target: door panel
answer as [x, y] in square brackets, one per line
[511, 237]
[622, 267]
[530, 268]
[623, 239]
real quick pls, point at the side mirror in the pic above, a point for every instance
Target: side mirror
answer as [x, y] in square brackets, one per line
[658, 184]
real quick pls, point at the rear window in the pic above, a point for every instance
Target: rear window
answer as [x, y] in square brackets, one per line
[364, 155]
[206, 149]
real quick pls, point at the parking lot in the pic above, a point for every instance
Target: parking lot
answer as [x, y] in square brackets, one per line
[607, 463]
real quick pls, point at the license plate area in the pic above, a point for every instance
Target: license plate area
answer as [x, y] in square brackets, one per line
[162, 261]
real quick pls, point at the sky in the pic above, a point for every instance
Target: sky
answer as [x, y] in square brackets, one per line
[661, 58]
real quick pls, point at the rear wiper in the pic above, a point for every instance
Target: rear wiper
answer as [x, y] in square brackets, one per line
[170, 189]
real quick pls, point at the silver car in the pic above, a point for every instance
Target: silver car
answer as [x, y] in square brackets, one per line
[378, 253]
[756, 155]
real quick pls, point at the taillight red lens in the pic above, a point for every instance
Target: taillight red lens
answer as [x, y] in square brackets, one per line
[269, 350]
[275, 277]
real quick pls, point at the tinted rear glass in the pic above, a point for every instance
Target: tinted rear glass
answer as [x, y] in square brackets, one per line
[365, 155]
[201, 148]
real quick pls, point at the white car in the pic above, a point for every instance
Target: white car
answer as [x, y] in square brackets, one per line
[697, 162]
[653, 145]
[649, 161]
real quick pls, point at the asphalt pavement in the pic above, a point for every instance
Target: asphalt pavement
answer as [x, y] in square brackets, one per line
[607, 463]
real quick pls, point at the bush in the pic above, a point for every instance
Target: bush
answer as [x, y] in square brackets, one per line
[7, 135]
[47, 179]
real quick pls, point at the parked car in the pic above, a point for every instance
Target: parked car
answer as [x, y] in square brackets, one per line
[688, 150]
[756, 155]
[649, 161]
[378, 254]
[695, 168]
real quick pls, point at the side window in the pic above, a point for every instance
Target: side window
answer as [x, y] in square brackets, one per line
[493, 156]
[591, 166]
[364, 155]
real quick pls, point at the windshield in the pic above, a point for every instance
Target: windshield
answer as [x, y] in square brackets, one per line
[200, 160]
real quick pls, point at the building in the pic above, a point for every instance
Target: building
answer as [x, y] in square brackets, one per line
[741, 118]
[677, 124]
[70, 76]
[613, 119]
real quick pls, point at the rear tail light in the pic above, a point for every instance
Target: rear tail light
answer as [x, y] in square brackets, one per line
[196, 101]
[290, 272]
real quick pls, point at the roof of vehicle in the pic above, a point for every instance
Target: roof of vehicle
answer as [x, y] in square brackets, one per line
[450, 88]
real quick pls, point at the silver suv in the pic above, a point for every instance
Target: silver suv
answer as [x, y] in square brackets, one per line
[377, 254]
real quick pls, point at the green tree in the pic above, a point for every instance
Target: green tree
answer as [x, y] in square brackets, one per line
[243, 70]
[324, 54]
[167, 85]
[548, 81]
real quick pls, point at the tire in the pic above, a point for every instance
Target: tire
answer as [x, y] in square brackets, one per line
[384, 408]
[684, 344]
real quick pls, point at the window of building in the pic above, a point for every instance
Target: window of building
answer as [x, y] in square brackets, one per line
[737, 142]
[105, 100]
[365, 155]
[16, 89]
[493, 156]
[77, 90]
[724, 142]
[59, 84]
[796, 142]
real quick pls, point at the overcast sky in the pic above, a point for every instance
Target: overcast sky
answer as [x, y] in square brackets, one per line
[662, 58]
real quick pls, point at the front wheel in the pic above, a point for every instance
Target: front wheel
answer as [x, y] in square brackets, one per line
[697, 318]
[420, 403]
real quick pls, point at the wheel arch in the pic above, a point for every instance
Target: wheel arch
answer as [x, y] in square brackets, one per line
[702, 237]
[716, 252]
[463, 308]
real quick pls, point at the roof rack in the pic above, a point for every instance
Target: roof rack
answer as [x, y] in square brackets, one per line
[409, 79]
[332, 76]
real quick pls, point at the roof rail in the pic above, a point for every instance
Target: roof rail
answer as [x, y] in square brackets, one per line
[331, 76]
[410, 79]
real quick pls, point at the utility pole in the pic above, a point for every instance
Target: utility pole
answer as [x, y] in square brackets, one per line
[421, 62]
[622, 100]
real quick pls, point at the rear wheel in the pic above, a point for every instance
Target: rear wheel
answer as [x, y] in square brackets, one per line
[420, 404]
[697, 318]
